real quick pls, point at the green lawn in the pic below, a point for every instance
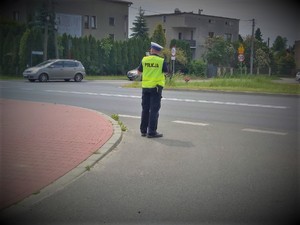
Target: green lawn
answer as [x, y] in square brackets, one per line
[254, 83]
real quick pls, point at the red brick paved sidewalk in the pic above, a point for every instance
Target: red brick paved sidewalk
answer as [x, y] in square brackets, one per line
[40, 142]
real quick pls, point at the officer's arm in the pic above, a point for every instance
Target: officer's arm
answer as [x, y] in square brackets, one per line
[165, 68]
[140, 69]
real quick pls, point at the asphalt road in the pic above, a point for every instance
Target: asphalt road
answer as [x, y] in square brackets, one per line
[224, 159]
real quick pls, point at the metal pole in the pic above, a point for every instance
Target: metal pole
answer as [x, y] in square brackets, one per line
[55, 42]
[252, 47]
[173, 67]
[46, 38]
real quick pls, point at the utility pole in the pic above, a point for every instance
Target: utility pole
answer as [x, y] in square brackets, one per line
[46, 37]
[46, 20]
[252, 46]
[55, 41]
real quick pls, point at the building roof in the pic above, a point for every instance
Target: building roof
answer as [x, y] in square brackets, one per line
[119, 1]
[189, 13]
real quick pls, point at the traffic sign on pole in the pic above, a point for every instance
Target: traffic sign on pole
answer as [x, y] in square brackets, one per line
[173, 51]
[241, 49]
[241, 57]
[173, 57]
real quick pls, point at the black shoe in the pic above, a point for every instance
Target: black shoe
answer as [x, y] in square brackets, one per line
[143, 134]
[155, 135]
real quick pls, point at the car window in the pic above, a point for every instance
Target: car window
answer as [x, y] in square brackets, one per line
[58, 64]
[70, 64]
[44, 63]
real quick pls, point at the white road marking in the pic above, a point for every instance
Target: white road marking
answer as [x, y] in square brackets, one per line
[190, 123]
[128, 116]
[95, 94]
[174, 99]
[264, 131]
[207, 124]
[175, 121]
[226, 103]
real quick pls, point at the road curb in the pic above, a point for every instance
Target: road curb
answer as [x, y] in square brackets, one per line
[76, 172]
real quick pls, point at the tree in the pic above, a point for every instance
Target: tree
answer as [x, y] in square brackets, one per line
[159, 36]
[285, 64]
[184, 45]
[279, 44]
[284, 61]
[45, 19]
[140, 29]
[197, 67]
[31, 40]
[219, 51]
[124, 53]
[262, 59]
[183, 54]
[105, 49]
[258, 35]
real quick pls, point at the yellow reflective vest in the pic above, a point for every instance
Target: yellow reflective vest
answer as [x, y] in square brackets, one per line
[152, 71]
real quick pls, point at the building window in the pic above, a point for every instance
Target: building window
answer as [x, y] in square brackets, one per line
[112, 37]
[179, 36]
[164, 19]
[86, 22]
[228, 37]
[16, 15]
[228, 23]
[211, 34]
[93, 22]
[211, 21]
[125, 25]
[111, 21]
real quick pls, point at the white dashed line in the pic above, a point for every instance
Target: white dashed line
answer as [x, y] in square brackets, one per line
[175, 99]
[128, 116]
[264, 131]
[226, 103]
[190, 123]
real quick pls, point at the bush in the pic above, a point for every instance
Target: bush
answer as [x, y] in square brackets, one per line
[197, 68]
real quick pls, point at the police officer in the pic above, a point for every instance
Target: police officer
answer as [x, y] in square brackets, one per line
[153, 68]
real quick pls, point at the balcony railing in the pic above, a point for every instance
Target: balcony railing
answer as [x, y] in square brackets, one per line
[192, 43]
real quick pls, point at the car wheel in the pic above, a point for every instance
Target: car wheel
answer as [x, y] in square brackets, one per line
[43, 77]
[78, 77]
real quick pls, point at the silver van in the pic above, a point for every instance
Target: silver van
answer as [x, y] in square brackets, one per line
[56, 69]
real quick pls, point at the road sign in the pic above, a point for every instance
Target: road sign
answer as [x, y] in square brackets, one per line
[241, 49]
[173, 51]
[173, 57]
[241, 57]
[37, 53]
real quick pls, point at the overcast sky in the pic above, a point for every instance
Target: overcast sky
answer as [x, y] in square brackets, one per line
[273, 17]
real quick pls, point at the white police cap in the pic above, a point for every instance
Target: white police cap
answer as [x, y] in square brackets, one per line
[156, 46]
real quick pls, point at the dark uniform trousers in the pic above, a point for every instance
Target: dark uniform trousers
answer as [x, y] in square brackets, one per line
[151, 101]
